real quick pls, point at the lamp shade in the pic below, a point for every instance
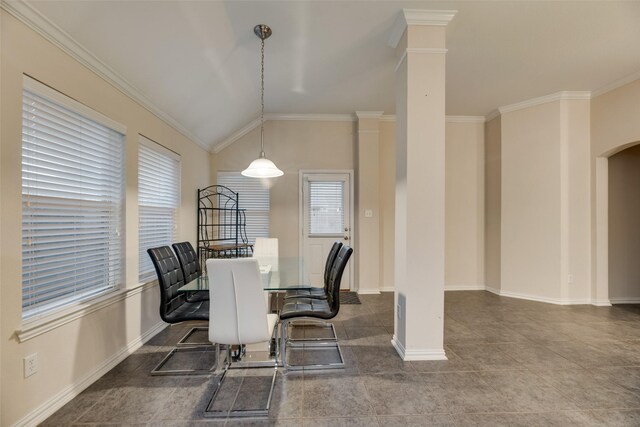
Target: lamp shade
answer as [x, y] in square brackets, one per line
[262, 168]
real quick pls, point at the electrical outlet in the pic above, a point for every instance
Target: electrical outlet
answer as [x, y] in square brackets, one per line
[570, 278]
[30, 365]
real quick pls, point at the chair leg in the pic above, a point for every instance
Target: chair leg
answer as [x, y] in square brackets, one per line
[158, 369]
[319, 341]
[283, 343]
[262, 412]
[184, 343]
[310, 345]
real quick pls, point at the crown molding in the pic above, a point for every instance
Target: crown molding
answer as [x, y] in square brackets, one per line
[369, 114]
[31, 17]
[311, 117]
[236, 136]
[492, 115]
[558, 96]
[427, 50]
[418, 17]
[448, 119]
[465, 119]
[616, 84]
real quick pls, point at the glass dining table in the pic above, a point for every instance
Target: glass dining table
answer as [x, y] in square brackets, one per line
[277, 274]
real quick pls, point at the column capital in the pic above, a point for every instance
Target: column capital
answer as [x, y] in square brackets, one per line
[438, 18]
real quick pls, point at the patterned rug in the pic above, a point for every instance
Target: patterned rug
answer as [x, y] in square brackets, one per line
[349, 298]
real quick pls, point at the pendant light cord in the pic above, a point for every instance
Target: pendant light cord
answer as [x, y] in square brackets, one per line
[262, 100]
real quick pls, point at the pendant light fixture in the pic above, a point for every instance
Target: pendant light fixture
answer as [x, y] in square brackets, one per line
[262, 167]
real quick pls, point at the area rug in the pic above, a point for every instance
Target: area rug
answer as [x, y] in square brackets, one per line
[349, 297]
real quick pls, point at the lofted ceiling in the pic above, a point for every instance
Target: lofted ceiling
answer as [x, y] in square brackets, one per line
[198, 61]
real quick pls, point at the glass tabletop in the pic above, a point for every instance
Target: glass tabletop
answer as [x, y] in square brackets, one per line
[278, 274]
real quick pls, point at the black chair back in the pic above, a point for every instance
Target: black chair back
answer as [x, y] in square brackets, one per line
[335, 277]
[170, 278]
[330, 260]
[188, 260]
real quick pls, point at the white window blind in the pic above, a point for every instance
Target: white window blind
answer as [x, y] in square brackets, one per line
[72, 192]
[158, 201]
[326, 212]
[254, 198]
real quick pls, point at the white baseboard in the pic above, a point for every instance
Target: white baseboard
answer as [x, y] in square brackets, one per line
[537, 298]
[492, 289]
[47, 408]
[464, 287]
[368, 291]
[388, 289]
[529, 297]
[624, 300]
[415, 355]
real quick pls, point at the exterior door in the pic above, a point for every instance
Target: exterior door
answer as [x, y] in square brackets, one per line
[326, 213]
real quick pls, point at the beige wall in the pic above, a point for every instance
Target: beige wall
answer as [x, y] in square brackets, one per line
[70, 353]
[493, 202]
[614, 127]
[312, 144]
[624, 226]
[387, 203]
[531, 226]
[545, 231]
[367, 175]
[464, 209]
[576, 201]
[615, 123]
[292, 145]
[464, 204]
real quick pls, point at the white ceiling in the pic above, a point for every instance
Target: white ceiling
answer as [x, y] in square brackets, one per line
[199, 61]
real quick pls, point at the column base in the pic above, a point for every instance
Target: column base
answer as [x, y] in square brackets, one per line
[414, 355]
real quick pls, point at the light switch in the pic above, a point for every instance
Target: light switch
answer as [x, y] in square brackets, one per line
[368, 213]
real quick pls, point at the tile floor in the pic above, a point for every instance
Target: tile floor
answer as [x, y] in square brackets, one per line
[511, 363]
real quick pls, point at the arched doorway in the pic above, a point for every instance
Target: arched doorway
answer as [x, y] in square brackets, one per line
[624, 226]
[620, 197]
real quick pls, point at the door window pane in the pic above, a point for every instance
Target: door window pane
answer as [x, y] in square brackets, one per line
[326, 210]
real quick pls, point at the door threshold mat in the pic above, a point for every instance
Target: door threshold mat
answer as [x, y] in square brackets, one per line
[349, 297]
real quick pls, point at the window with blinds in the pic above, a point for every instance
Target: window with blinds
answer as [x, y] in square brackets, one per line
[254, 198]
[326, 212]
[72, 197]
[158, 201]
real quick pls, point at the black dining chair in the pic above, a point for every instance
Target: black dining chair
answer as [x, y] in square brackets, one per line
[188, 260]
[190, 268]
[318, 293]
[310, 309]
[174, 308]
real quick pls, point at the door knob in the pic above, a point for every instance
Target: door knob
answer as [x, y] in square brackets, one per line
[346, 237]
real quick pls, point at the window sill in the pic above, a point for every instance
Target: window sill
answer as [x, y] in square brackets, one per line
[33, 328]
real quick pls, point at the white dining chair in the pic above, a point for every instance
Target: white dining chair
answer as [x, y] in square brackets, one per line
[238, 316]
[265, 250]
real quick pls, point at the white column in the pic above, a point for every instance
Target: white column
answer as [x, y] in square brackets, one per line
[419, 38]
[368, 201]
